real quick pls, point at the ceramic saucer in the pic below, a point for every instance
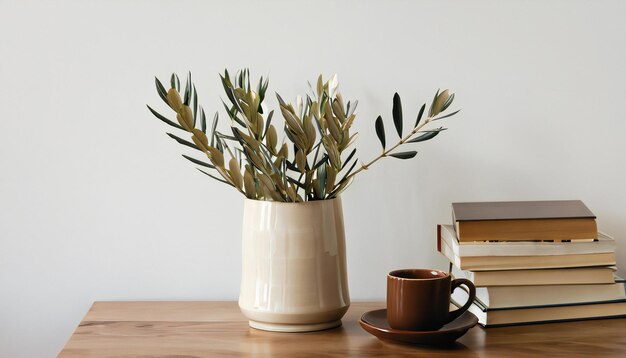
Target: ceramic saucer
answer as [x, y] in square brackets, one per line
[375, 322]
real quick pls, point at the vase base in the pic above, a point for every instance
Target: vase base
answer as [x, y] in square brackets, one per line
[292, 328]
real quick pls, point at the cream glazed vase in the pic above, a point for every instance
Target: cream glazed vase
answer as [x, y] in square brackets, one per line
[294, 276]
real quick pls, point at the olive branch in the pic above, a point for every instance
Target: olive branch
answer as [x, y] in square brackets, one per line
[317, 130]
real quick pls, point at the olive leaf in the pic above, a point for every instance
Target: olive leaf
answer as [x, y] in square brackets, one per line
[447, 103]
[380, 130]
[272, 139]
[214, 177]
[161, 117]
[438, 102]
[324, 160]
[235, 173]
[321, 181]
[185, 118]
[213, 127]
[320, 86]
[173, 81]
[347, 174]
[404, 155]
[348, 159]
[195, 102]
[216, 156]
[448, 115]
[331, 175]
[188, 90]
[228, 88]
[173, 99]
[419, 115]
[431, 111]
[268, 122]
[426, 136]
[199, 162]
[219, 145]
[202, 120]
[351, 108]
[161, 90]
[300, 160]
[182, 141]
[200, 139]
[342, 186]
[249, 184]
[397, 113]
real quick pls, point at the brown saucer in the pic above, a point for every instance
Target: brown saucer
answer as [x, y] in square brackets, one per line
[375, 322]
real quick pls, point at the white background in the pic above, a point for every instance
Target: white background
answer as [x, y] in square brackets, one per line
[96, 203]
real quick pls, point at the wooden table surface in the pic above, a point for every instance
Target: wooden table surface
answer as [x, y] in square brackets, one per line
[210, 329]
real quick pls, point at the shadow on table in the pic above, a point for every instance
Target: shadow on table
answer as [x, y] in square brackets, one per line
[340, 341]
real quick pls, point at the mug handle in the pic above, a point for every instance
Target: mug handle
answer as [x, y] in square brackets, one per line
[472, 294]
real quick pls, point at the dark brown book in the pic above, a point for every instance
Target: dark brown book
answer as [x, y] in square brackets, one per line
[524, 220]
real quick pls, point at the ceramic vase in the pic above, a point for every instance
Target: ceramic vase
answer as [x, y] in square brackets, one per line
[294, 276]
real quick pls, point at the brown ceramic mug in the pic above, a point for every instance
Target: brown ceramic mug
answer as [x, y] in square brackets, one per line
[419, 299]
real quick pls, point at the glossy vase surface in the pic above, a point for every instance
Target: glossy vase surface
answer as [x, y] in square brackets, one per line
[294, 276]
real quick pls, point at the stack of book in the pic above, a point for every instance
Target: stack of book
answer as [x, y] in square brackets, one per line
[532, 261]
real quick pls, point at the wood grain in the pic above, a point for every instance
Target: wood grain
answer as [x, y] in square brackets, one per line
[213, 329]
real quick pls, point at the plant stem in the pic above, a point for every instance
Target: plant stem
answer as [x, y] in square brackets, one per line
[386, 152]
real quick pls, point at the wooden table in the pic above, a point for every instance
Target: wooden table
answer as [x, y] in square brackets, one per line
[209, 329]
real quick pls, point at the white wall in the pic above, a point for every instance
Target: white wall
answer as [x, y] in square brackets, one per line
[97, 204]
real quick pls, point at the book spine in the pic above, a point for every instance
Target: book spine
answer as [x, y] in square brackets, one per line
[550, 321]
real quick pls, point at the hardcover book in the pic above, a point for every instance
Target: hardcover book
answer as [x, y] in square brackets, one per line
[555, 276]
[538, 295]
[492, 263]
[547, 314]
[524, 220]
[603, 244]
[490, 316]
